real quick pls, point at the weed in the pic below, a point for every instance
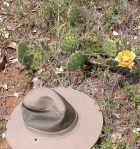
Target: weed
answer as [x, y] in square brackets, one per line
[105, 105]
[106, 144]
[134, 138]
[121, 144]
[107, 129]
[133, 118]
[18, 8]
[131, 93]
[117, 104]
[1, 126]
[109, 14]
[48, 14]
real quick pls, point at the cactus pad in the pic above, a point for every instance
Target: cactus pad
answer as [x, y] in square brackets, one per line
[30, 57]
[73, 13]
[110, 48]
[76, 61]
[69, 44]
[89, 45]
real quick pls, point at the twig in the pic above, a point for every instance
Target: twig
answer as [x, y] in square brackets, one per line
[28, 83]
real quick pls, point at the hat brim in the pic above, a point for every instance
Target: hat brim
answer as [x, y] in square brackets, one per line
[83, 136]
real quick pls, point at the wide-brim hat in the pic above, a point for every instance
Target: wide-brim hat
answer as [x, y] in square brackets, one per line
[60, 118]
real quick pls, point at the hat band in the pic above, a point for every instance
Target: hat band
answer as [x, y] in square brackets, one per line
[47, 124]
[54, 134]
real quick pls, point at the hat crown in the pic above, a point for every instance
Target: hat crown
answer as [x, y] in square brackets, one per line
[43, 99]
[45, 110]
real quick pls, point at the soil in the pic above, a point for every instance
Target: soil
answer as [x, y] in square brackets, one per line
[16, 82]
[20, 82]
[121, 116]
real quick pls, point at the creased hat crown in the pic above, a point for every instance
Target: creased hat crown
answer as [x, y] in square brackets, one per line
[45, 110]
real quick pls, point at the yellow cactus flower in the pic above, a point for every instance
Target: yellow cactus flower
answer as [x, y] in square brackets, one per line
[126, 58]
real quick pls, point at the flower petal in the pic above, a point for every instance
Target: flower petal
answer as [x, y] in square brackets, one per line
[126, 58]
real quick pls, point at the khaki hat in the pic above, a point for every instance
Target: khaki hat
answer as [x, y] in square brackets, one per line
[60, 118]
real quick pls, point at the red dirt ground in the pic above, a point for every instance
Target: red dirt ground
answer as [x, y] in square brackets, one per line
[16, 82]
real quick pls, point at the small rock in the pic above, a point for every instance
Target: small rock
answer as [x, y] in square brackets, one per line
[136, 130]
[34, 31]
[5, 86]
[127, 43]
[6, 35]
[138, 27]
[136, 37]
[3, 136]
[115, 33]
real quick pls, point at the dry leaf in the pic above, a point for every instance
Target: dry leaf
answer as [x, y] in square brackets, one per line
[6, 117]
[6, 4]
[115, 137]
[40, 71]
[136, 130]
[12, 45]
[11, 27]
[16, 94]
[6, 35]
[37, 82]
[116, 115]
[20, 66]
[14, 60]
[1, 18]
[59, 70]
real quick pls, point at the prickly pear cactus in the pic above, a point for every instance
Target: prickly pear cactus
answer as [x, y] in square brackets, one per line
[89, 45]
[21, 51]
[110, 48]
[73, 13]
[30, 57]
[69, 44]
[76, 61]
